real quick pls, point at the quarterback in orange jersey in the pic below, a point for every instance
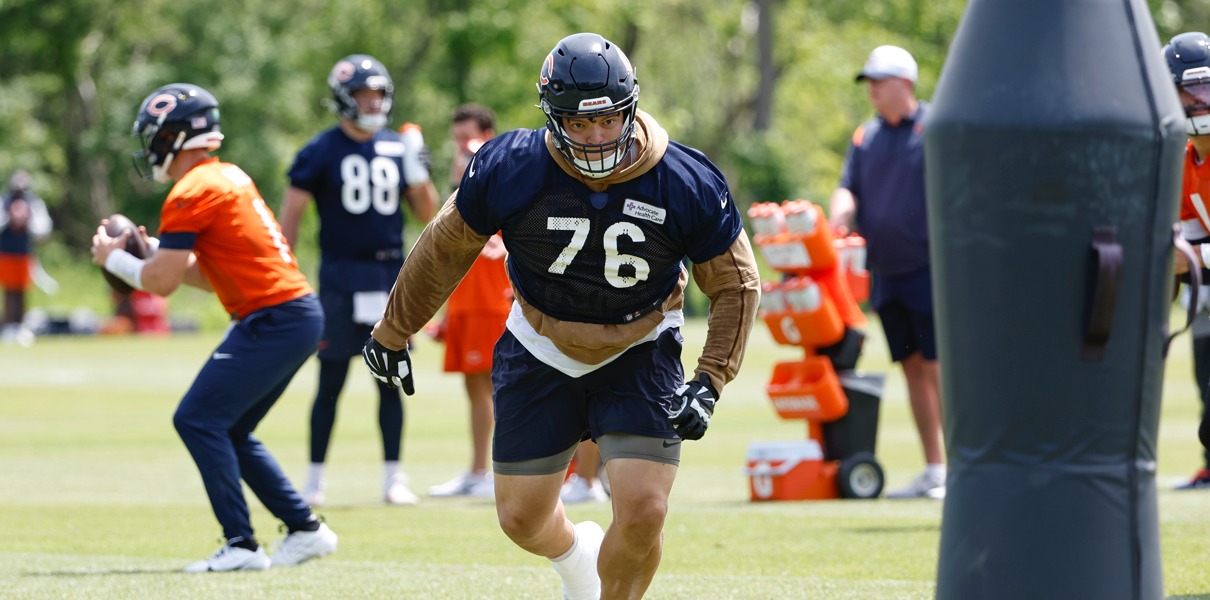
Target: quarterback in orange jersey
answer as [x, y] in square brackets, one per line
[216, 233]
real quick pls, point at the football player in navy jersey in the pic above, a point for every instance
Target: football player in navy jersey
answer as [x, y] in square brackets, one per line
[597, 211]
[356, 173]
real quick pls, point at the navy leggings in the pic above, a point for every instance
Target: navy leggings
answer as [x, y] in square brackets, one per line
[235, 390]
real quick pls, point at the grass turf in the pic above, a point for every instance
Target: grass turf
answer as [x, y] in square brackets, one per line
[99, 499]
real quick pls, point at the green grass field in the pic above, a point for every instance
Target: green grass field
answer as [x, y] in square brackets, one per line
[99, 499]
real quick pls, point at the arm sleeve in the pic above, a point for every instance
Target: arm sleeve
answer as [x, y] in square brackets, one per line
[732, 283]
[441, 257]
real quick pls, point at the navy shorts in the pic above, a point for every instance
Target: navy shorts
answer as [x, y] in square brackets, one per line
[342, 337]
[338, 281]
[541, 411]
[905, 307]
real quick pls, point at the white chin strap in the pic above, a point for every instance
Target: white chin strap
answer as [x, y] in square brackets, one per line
[160, 172]
[371, 122]
[1199, 125]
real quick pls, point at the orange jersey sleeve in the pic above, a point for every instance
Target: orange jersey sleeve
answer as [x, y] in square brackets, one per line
[1195, 198]
[484, 289]
[238, 242]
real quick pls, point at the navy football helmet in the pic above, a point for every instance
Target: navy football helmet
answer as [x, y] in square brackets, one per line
[1188, 56]
[359, 72]
[175, 117]
[587, 76]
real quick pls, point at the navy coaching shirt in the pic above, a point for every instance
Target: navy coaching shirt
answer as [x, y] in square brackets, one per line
[884, 169]
[596, 257]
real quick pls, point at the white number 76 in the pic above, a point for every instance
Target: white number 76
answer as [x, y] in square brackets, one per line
[614, 260]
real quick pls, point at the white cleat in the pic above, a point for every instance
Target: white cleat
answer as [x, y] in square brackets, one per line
[231, 558]
[313, 493]
[923, 486]
[466, 484]
[577, 489]
[301, 546]
[396, 491]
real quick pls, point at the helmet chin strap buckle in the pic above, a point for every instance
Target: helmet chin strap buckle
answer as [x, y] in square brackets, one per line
[1198, 125]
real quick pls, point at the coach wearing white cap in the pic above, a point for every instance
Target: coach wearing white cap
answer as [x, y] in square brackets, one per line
[881, 196]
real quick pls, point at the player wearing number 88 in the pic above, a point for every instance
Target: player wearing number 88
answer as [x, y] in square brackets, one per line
[597, 212]
[216, 233]
[356, 173]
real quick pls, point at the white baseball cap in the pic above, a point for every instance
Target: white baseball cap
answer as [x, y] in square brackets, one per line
[889, 61]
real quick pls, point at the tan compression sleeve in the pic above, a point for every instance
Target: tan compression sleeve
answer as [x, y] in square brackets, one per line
[732, 283]
[441, 257]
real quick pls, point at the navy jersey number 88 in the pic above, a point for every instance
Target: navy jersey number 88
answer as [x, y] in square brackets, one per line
[369, 183]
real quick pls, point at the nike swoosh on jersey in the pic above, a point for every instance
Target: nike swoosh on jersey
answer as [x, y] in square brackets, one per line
[723, 202]
[470, 169]
[220, 356]
[669, 445]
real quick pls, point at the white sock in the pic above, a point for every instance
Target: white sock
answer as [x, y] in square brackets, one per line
[571, 552]
[936, 471]
[315, 475]
[390, 469]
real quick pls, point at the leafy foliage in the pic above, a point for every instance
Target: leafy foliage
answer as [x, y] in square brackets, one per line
[75, 71]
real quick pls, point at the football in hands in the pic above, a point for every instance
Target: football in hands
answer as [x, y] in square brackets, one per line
[115, 225]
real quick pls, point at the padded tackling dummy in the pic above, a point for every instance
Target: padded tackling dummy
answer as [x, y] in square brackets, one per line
[1053, 172]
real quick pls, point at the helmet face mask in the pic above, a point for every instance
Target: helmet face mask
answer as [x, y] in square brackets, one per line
[1188, 57]
[175, 117]
[588, 77]
[361, 72]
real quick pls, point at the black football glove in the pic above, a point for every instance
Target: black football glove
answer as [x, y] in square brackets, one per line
[392, 367]
[692, 405]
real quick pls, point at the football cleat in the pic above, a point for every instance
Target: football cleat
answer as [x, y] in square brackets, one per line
[231, 558]
[301, 546]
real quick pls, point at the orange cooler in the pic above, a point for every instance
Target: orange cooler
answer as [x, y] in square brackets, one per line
[790, 471]
[807, 389]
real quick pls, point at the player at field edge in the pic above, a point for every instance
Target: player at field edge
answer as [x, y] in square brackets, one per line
[597, 212]
[1188, 59]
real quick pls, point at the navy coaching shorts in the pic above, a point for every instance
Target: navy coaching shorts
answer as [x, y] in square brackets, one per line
[905, 307]
[541, 411]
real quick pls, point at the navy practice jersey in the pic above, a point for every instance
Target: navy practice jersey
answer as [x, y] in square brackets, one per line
[357, 188]
[596, 257]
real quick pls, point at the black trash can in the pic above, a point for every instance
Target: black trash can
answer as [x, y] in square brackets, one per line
[857, 430]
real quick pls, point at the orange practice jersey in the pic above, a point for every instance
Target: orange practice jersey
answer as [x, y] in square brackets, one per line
[239, 244]
[484, 289]
[1195, 197]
